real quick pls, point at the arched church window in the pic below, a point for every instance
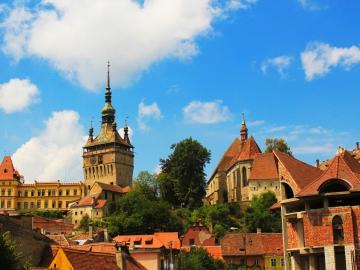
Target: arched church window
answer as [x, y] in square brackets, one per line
[244, 177]
[338, 231]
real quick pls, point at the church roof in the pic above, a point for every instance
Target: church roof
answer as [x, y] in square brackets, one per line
[264, 167]
[238, 151]
[7, 170]
[344, 167]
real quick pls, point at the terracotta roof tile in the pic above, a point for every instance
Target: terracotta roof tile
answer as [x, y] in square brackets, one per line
[100, 204]
[7, 170]
[86, 201]
[238, 150]
[60, 239]
[214, 251]
[262, 244]
[264, 167]
[302, 173]
[113, 188]
[343, 166]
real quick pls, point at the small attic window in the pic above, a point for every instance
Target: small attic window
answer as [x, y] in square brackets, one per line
[5, 171]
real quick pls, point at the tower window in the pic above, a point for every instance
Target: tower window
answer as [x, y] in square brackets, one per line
[338, 231]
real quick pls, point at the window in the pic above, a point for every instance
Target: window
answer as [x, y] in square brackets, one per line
[191, 242]
[3, 192]
[105, 195]
[60, 204]
[282, 262]
[338, 230]
[113, 197]
[80, 212]
[244, 177]
[43, 192]
[26, 193]
[38, 204]
[53, 192]
[49, 192]
[32, 205]
[46, 204]
[39, 193]
[67, 192]
[2, 204]
[32, 193]
[60, 192]
[75, 213]
[273, 261]
[53, 204]
[9, 192]
[19, 193]
[75, 192]
[25, 205]
[256, 261]
[19, 205]
[242, 262]
[9, 204]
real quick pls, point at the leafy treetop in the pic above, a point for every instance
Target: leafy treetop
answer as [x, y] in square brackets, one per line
[278, 144]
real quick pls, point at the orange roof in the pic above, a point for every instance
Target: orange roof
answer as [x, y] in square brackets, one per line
[264, 167]
[344, 166]
[214, 251]
[100, 204]
[238, 150]
[86, 201]
[262, 244]
[301, 172]
[7, 170]
[60, 239]
[81, 259]
[97, 247]
[113, 188]
[159, 239]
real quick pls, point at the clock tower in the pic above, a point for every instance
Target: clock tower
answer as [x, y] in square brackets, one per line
[108, 158]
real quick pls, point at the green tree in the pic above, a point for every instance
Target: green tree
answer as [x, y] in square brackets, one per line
[185, 168]
[258, 215]
[84, 223]
[10, 258]
[137, 214]
[278, 144]
[147, 184]
[198, 259]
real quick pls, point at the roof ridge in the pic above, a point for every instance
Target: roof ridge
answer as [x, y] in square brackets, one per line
[347, 165]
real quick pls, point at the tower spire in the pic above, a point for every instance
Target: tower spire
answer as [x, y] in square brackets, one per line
[108, 112]
[243, 130]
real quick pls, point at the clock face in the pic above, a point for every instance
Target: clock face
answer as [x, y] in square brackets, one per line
[92, 160]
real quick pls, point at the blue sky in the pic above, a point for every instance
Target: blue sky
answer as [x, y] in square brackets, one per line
[178, 68]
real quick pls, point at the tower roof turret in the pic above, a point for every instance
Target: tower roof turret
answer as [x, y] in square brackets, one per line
[108, 112]
[243, 130]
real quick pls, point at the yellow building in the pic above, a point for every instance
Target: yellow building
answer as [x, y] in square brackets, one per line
[16, 195]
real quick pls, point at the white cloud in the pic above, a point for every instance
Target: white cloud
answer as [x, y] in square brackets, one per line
[157, 169]
[327, 149]
[145, 113]
[130, 132]
[56, 153]
[280, 63]
[276, 129]
[78, 37]
[255, 123]
[318, 58]
[16, 95]
[206, 112]
[314, 4]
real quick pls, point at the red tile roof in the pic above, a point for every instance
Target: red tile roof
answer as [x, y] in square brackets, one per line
[262, 244]
[264, 167]
[214, 251]
[7, 170]
[60, 239]
[302, 173]
[113, 188]
[159, 239]
[86, 201]
[100, 204]
[343, 166]
[238, 150]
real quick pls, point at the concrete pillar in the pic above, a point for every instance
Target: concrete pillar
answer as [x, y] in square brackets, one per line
[296, 261]
[348, 260]
[312, 262]
[329, 258]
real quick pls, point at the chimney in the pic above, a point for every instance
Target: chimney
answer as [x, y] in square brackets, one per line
[106, 235]
[357, 145]
[92, 200]
[121, 253]
[317, 164]
[258, 230]
[91, 230]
